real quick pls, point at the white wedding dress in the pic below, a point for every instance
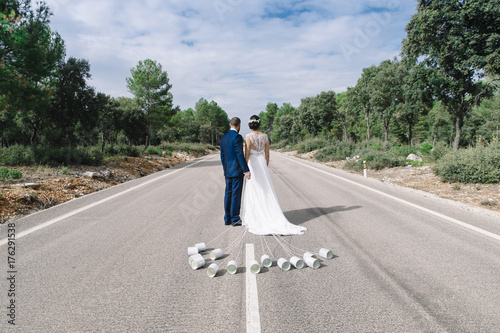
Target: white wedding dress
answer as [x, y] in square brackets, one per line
[261, 212]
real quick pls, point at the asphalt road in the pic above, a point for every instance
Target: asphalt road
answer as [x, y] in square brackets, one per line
[116, 260]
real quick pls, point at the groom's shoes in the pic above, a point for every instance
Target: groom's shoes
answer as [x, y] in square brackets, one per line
[237, 223]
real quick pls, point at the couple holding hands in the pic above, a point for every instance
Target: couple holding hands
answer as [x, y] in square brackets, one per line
[247, 175]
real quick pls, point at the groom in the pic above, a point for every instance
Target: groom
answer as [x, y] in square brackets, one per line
[235, 167]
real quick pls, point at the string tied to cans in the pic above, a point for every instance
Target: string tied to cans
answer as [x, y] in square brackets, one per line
[298, 257]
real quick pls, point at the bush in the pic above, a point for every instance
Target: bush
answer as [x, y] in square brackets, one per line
[17, 155]
[6, 173]
[376, 144]
[154, 151]
[472, 165]
[404, 151]
[378, 160]
[279, 145]
[336, 151]
[311, 144]
[122, 150]
[425, 148]
[67, 155]
[440, 150]
[375, 159]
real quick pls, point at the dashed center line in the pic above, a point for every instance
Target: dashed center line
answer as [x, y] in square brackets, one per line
[252, 299]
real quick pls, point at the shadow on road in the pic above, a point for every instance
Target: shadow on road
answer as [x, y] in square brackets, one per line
[300, 216]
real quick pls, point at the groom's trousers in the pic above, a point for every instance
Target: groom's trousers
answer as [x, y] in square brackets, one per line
[232, 199]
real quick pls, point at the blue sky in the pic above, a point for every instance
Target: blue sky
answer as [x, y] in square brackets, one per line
[241, 54]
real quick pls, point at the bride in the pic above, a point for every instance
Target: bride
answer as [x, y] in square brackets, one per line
[261, 211]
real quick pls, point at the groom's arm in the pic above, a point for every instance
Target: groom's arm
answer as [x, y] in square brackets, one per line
[239, 154]
[222, 156]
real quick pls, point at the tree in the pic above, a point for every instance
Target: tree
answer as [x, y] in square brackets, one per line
[359, 97]
[213, 121]
[385, 92]
[316, 113]
[267, 118]
[150, 86]
[462, 40]
[186, 126]
[133, 120]
[283, 123]
[440, 124]
[30, 54]
[489, 111]
[348, 114]
[74, 104]
[110, 119]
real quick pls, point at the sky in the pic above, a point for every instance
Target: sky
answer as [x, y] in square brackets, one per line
[240, 54]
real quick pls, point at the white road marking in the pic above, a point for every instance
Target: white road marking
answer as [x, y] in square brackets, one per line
[444, 217]
[252, 300]
[77, 211]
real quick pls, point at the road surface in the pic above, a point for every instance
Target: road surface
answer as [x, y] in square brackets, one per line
[116, 260]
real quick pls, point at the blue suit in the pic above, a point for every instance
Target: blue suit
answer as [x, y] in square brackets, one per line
[235, 167]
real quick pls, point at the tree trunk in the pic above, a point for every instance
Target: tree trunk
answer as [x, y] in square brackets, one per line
[345, 132]
[386, 129]
[102, 138]
[410, 134]
[33, 137]
[458, 133]
[367, 117]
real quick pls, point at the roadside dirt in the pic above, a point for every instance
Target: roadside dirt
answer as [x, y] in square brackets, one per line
[486, 196]
[41, 187]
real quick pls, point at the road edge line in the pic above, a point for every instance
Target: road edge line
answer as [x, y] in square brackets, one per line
[84, 208]
[429, 211]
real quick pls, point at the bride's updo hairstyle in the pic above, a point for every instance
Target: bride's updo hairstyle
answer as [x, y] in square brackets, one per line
[254, 123]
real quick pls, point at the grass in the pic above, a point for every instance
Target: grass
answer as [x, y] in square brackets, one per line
[6, 173]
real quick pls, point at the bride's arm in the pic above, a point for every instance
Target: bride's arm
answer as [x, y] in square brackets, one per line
[267, 152]
[247, 148]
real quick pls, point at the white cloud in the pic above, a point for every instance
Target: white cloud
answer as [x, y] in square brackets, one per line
[242, 54]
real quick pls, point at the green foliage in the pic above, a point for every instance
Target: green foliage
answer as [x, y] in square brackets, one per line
[460, 40]
[6, 173]
[74, 109]
[153, 151]
[64, 171]
[377, 159]
[29, 56]
[19, 155]
[151, 88]
[404, 151]
[338, 150]
[122, 150]
[213, 121]
[425, 148]
[279, 145]
[310, 145]
[473, 165]
[440, 150]
[317, 113]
